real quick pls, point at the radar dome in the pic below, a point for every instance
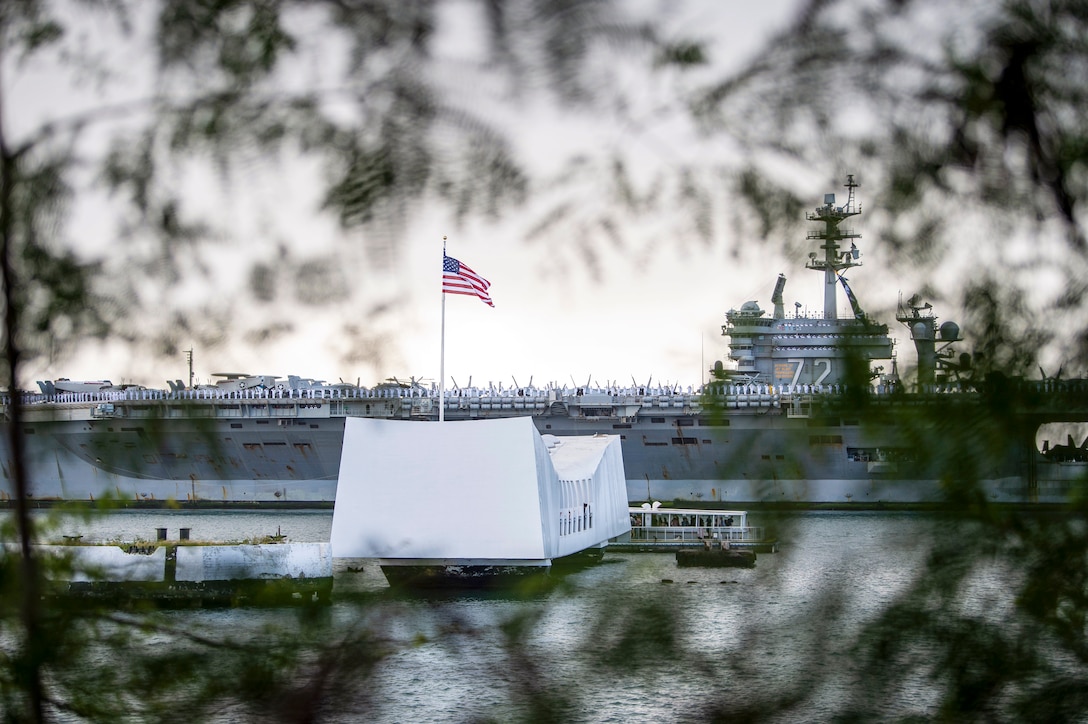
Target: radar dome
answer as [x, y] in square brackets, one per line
[921, 330]
[950, 331]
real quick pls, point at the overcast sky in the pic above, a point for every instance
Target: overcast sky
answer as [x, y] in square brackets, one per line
[651, 309]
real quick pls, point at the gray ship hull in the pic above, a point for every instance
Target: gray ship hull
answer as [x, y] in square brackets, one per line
[282, 449]
[799, 415]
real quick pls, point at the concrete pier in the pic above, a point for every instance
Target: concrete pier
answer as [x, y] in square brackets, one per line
[194, 575]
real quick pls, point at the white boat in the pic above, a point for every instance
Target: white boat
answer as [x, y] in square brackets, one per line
[656, 528]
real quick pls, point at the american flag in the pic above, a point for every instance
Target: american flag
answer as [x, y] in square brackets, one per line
[457, 278]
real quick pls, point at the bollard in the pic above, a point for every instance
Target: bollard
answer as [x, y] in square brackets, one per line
[184, 533]
[161, 533]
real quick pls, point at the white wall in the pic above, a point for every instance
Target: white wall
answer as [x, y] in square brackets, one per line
[109, 563]
[253, 562]
[460, 489]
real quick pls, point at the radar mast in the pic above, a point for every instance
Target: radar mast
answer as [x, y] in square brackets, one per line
[834, 260]
[816, 350]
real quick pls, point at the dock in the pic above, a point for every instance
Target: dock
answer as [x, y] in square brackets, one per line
[191, 574]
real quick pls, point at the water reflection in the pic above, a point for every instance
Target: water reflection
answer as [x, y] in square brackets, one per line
[633, 637]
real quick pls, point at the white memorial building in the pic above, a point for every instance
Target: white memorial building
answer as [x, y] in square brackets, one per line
[474, 500]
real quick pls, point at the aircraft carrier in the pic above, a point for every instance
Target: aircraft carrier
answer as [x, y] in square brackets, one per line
[807, 409]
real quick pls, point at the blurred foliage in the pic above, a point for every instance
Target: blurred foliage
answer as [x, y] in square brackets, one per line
[955, 119]
[967, 126]
[1013, 653]
[353, 97]
[961, 115]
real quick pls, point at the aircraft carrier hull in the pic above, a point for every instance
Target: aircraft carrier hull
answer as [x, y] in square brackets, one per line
[279, 449]
[798, 413]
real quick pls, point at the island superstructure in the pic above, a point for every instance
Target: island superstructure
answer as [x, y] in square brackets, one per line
[787, 351]
[789, 418]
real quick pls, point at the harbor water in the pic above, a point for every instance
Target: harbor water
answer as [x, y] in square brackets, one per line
[732, 639]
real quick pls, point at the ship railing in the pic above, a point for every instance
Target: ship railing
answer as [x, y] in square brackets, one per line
[646, 396]
[776, 391]
[192, 394]
[615, 393]
[696, 535]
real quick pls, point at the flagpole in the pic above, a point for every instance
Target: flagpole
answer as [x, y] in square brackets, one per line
[442, 362]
